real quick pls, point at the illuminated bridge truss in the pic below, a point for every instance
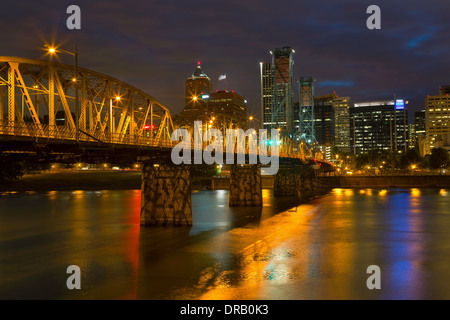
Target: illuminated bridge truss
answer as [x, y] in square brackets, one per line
[37, 100]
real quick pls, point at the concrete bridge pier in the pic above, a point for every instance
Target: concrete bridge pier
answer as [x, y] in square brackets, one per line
[287, 182]
[166, 195]
[245, 185]
[309, 181]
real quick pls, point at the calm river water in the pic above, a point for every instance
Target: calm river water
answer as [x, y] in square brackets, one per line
[286, 250]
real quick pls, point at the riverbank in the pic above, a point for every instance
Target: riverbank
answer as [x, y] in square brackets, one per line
[92, 180]
[392, 181]
[78, 180]
[131, 180]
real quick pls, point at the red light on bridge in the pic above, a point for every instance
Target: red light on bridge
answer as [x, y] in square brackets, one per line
[148, 127]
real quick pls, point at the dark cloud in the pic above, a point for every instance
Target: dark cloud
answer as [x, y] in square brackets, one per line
[154, 45]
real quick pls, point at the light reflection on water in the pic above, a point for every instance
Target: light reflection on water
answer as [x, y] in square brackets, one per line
[316, 250]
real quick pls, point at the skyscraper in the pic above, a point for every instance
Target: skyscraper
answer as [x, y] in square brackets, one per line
[437, 115]
[276, 85]
[420, 126]
[266, 93]
[324, 119]
[341, 108]
[379, 125]
[198, 86]
[420, 123]
[227, 110]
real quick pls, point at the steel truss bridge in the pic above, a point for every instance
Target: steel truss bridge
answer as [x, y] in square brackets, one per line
[38, 114]
[39, 97]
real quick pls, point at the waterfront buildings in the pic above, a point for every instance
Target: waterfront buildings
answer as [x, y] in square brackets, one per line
[324, 121]
[220, 109]
[227, 110]
[341, 109]
[277, 91]
[437, 114]
[379, 125]
[266, 75]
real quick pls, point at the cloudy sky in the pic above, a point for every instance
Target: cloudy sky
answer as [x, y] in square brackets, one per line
[155, 45]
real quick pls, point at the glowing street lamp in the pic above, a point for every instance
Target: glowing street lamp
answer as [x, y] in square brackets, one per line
[111, 122]
[53, 50]
[252, 118]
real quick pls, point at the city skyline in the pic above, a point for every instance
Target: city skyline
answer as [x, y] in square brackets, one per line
[224, 155]
[406, 57]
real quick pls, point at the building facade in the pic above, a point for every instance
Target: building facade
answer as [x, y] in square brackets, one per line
[420, 123]
[198, 86]
[277, 92]
[341, 109]
[227, 110]
[437, 116]
[379, 125]
[266, 94]
[324, 119]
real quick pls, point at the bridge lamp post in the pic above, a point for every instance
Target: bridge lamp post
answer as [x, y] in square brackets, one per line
[252, 118]
[111, 119]
[195, 99]
[53, 50]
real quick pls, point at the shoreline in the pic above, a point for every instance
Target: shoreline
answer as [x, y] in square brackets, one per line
[77, 180]
[131, 180]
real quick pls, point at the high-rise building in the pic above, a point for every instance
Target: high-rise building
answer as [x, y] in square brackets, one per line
[420, 123]
[227, 110]
[341, 108]
[277, 91]
[198, 86]
[266, 93]
[379, 125]
[437, 115]
[420, 131]
[412, 135]
[324, 119]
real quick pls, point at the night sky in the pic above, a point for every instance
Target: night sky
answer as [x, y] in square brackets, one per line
[155, 45]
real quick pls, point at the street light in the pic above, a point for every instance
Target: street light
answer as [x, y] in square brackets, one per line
[252, 118]
[195, 98]
[111, 122]
[53, 50]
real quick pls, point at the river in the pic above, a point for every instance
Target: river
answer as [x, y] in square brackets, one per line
[285, 250]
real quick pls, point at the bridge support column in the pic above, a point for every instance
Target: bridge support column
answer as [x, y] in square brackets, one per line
[287, 182]
[166, 195]
[245, 185]
[309, 181]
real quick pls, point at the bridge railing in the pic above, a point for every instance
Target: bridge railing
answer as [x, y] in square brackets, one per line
[66, 133]
[62, 132]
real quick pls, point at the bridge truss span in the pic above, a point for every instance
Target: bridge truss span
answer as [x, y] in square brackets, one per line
[38, 100]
